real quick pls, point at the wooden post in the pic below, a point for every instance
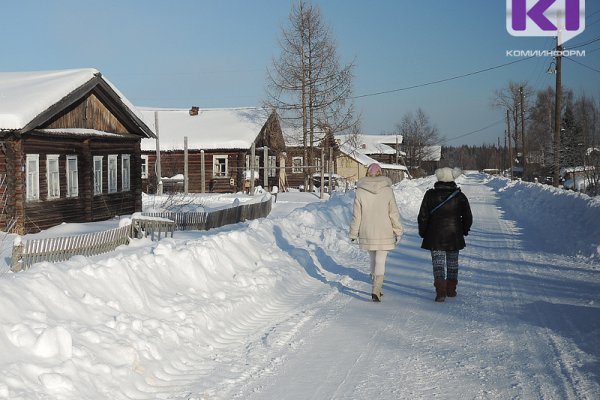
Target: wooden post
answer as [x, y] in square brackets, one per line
[557, 105]
[266, 169]
[16, 261]
[322, 189]
[252, 160]
[185, 165]
[510, 154]
[159, 188]
[202, 173]
[523, 148]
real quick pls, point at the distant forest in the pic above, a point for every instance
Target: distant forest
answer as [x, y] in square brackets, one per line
[474, 157]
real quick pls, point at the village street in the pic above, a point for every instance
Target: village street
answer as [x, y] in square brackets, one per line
[280, 307]
[524, 325]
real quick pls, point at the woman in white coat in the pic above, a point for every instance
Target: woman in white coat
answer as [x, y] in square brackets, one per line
[375, 222]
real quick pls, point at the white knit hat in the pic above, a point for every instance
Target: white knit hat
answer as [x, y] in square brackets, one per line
[446, 174]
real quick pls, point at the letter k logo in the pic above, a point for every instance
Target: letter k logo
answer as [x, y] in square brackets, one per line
[564, 19]
[535, 13]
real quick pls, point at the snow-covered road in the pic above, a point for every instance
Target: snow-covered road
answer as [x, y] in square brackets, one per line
[280, 308]
[524, 325]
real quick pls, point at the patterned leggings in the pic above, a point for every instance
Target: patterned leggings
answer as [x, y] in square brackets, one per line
[447, 259]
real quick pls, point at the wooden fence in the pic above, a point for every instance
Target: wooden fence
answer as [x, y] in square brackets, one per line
[29, 252]
[214, 219]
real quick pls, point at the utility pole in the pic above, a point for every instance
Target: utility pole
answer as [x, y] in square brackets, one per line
[159, 187]
[558, 90]
[510, 155]
[252, 162]
[185, 165]
[523, 128]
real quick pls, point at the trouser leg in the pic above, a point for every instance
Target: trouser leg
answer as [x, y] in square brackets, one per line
[378, 259]
[438, 259]
[452, 275]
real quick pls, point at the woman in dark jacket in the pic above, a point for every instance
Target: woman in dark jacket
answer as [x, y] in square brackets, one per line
[444, 220]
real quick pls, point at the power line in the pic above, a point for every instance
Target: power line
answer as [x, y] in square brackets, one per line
[477, 130]
[583, 65]
[583, 44]
[441, 80]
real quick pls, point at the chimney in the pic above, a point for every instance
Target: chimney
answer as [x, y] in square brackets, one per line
[194, 110]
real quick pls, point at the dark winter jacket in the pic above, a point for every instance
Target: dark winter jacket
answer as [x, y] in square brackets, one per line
[446, 228]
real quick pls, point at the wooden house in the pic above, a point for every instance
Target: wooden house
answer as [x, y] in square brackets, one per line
[301, 165]
[69, 150]
[209, 150]
[358, 151]
[352, 165]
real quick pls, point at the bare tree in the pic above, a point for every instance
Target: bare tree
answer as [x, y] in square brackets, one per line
[308, 85]
[418, 135]
[510, 99]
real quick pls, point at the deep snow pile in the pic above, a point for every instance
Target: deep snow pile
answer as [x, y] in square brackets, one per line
[186, 317]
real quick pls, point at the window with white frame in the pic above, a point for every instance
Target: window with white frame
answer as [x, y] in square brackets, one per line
[297, 165]
[317, 164]
[272, 166]
[72, 177]
[52, 176]
[256, 165]
[144, 166]
[112, 173]
[219, 165]
[32, 170]
[98, 175]
[125, 172]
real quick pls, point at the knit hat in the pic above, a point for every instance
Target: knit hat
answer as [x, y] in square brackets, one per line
[446, 174]
[373, 170]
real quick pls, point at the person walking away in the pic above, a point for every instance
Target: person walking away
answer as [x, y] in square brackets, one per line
[375, 222]
[444, 220]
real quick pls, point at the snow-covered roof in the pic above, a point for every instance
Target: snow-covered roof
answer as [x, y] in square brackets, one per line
[365, 160]
[373, 144]
[358, 156]
[211, 128]
[26, 95]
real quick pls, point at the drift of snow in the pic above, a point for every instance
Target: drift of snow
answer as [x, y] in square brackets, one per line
[280, 308]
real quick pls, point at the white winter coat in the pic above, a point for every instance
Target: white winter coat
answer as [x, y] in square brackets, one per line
[375, 215]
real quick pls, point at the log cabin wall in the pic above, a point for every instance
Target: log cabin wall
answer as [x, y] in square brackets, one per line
[85, 207]
[4, 188]
[172, 163]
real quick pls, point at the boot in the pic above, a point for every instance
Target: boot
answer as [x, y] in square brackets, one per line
[451, 287]
[376, 291]
[440, 290]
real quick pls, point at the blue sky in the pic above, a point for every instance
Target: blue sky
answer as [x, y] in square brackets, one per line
[215, 53]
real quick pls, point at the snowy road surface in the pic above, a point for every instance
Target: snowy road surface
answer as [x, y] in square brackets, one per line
[525, 324]
[280, 308]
